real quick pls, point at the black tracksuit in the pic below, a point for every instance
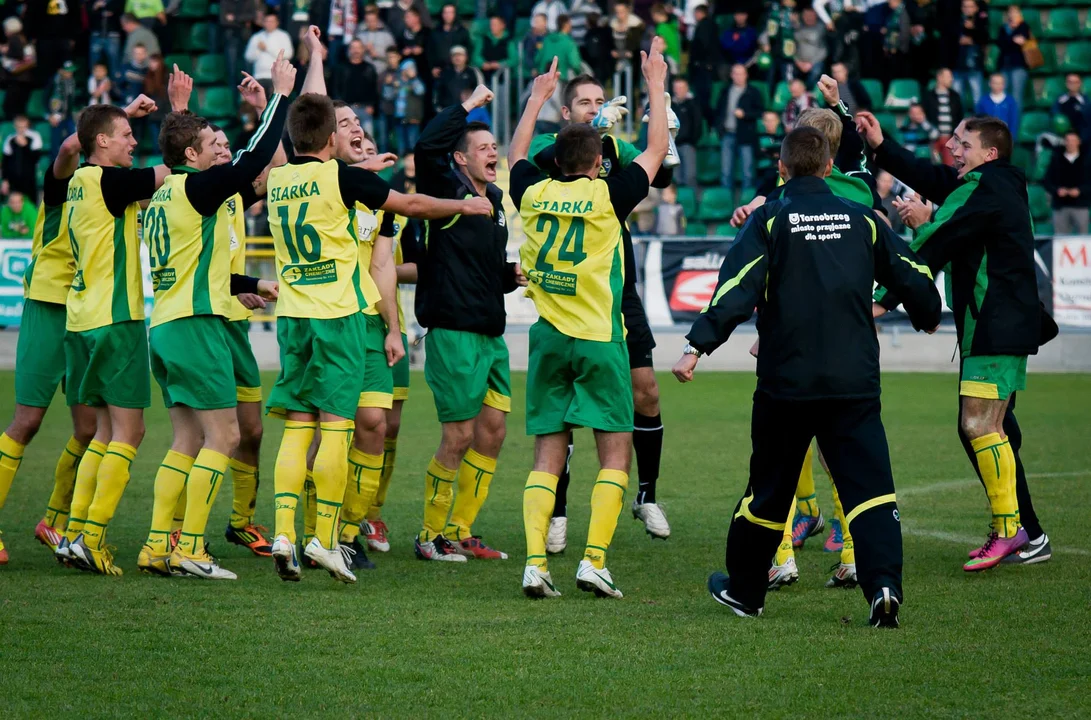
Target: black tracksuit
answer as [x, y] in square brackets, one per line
[807, 262]
[463, 271]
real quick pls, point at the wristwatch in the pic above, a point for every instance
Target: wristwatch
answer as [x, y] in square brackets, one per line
[690, 350]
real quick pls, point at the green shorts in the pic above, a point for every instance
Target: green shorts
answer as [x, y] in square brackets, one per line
[191, 361]
[466, 370]
[247, 377]
[378, 389]
[39, 355]
[321, 366]
[993, 377]
[401, 373]
[108, 366]
[577, 383]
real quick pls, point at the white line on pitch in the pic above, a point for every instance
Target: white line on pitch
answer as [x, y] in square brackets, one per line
[942, 485]
[971, 540]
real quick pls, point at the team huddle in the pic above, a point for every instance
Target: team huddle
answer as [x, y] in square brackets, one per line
[344, 377]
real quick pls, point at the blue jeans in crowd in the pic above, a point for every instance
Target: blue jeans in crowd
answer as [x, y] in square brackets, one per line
[729, 146]
[1016, 81]
[975, 81]
[106, 47]
[407, 136]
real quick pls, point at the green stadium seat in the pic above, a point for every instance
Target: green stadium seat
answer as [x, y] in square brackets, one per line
[210, 70]
[781, 96]
[902, 93]
[1077, 58]
[6, 128]
[36, 105]
[1044, 228]
[1049, 55]
[1042, 3]
[1039, 203]
[479, 28]
[466, 8]
[1062, 23]
[763, 90]
[924, 152]
[1033, 19]
[217, 102]
[43, 165]
[1047, 90]
[1021, 158]
[889, 123]
[198, 38]
[214, 10]
[708, 168]
[1033, 124]
[874, 90]
[183, 61]
[1041, 165]
[724, 230]
[1086, 29]
[992, 58]
[522, 27]
[687, 198]
[152, 160]
[436, 6]
[193, 9]
[996, 19]
[46, 131]
[717, 203]
[697, 229]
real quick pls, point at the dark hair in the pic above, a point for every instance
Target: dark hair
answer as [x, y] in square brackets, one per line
[563, 20]
[577, 147]
[94, 121]
[994, 134]
[338, 104]
[215, 128]
[575, 84]
[311, 120]
[179, 132]
[370, 9]
[805, 151]
[464, 141]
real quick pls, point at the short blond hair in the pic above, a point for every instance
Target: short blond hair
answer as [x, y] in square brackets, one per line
[826, 122]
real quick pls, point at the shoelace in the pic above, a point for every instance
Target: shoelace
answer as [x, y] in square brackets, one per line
[993, 537]
[347, 553]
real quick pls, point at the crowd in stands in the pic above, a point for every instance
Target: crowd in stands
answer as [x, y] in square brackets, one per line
[743, 71]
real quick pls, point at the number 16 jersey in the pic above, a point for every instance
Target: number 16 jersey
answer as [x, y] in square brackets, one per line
[312, 216]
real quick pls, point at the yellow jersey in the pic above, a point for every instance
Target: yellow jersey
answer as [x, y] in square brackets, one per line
[312, 215]
[368, 224]
[48, 277]
[231, 215]
[190, 254]
[399, 259]
[102, 206]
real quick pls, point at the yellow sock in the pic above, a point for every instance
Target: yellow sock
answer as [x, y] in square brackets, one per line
[330, 475]
[245, 496]
[205, 480]
[806, 499]
[84, 490]
[179, 512]
[539, 494]
[64, 482]
[309, 510]
[438, 490]
[289, 474]
[607, 499]
[848, 554]
[390, 454]
[365, 473]
[170, 484]
[11, 455]
[784, 550]
[110, 483]
[996, 461]
[474, 477]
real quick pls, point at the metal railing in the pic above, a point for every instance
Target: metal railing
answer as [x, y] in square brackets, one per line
[501, 106]
[623, 85]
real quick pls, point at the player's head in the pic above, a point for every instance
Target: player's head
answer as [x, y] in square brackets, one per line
[805, 152]
[312, 125]
[104, 134]
[223, 145]
[826, 122]
[349, 139]
[476, 153]
[583, 97]
[977, 141]
[369, 147]
[578, 150]
[187, 139]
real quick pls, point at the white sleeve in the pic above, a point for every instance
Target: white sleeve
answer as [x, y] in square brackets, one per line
[819, 7]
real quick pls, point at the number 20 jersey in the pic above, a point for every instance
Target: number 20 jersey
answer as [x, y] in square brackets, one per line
[317, 253]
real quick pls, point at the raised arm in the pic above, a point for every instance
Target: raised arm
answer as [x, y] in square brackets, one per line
[315, 81]
[68, 158]
[542, 90]
[427, 207]
[385, 275]
[438, 139]
[933, 182]
[654, 69]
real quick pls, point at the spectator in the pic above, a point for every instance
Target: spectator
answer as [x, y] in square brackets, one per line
[917, 132]
[779, 40]
[388, 123]
[943, 106]
[18, 65]
[408, 95]
[999, 104]
[739, 108]
[580, 13]
[535, 38]
[405, 179]
[395, 16]
[884, 185]
[973, 35]
[845, 21]
[705, 59]
[99, 86]
[132, 75]
[415, 44]
[104, 21]
[1074, 105]
[456, 77]
[53, 27]
[496, 49]
[670, 216]
[665, 25]
[376, 39]
[17, 218]
[478, 114]
[811, 48]
[689, 131]
[237, 22]
[449, 34]
[769, 140]
[1067, 181]
[135, 34]
[598, 45]
[1014, 34]
[155, 87]
[263, 49]
[852, 92]
[799, 101]
[337, 19]
[739, 42]
[149, 13]
[356, 83]
[896, 38]
[552, 9]
[22, 150]
[628, 30]
[63, 105]
[560, 45]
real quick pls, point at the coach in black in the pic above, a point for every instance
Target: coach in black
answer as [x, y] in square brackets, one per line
[807, 262]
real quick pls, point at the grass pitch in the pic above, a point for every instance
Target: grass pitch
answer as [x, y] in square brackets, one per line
[416, 639]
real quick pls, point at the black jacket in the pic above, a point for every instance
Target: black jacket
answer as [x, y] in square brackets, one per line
[689, 121]
[1065, 174]
[983, 229]
[704, 49]
[463, 271]
[746, 128]
[807, 262]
